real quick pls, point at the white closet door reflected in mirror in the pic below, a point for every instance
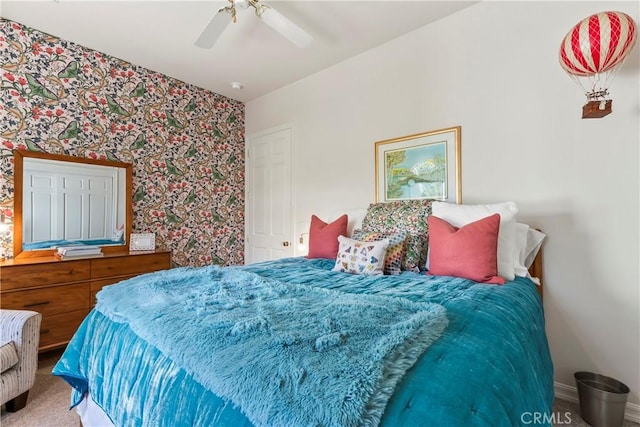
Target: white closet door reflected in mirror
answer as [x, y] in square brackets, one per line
[70, 201]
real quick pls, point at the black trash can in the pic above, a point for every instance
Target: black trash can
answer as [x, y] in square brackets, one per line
[602, 399]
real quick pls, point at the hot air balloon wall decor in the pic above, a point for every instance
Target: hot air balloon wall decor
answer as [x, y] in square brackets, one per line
[593, 51]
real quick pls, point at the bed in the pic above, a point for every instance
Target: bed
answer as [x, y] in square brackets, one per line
[477, 357]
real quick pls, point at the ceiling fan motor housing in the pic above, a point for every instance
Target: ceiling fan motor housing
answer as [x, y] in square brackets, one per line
[241, 4]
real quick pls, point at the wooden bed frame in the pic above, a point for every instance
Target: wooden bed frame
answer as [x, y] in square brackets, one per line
[536, 271]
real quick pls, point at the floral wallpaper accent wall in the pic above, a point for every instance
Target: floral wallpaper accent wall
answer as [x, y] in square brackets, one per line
[186, 143]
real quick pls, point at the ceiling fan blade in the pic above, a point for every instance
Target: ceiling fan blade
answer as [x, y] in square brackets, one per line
[214, 29]
[285, 27]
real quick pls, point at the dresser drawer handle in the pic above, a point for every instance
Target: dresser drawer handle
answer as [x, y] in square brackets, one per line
[33, 304]
[44, 331]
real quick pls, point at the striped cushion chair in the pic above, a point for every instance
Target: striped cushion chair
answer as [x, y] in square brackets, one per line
[19, 339]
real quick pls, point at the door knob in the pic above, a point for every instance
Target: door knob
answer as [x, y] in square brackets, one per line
[285, 243]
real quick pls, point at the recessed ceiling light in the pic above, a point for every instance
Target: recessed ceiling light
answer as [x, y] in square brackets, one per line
[236, 85]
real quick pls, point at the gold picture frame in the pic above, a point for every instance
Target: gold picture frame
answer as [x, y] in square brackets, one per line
[420, 166]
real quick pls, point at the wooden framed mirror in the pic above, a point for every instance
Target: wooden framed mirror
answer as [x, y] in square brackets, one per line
[70, 199]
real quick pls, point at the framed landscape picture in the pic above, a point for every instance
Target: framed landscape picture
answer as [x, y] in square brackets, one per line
[420, 166]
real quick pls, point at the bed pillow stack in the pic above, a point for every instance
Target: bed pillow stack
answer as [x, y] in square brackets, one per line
[462, 248]
[514, 252]
[369, 253]
[408, 216]
[461, 215]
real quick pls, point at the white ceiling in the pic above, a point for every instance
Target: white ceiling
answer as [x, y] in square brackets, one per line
[159, 35]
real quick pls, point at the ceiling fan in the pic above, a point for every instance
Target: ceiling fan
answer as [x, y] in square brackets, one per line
[266, 13]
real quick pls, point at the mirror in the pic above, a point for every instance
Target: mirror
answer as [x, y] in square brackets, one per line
[65, 200]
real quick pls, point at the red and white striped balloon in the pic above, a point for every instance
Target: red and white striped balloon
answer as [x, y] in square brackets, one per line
[598, 43]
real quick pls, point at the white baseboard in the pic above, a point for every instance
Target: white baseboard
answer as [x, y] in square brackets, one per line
[566, 392]
[570, 393]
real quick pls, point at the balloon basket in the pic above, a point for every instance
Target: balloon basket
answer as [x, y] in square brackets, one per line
[596, 109]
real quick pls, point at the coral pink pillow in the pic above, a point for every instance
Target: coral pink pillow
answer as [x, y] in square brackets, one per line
[470, 252]
[323, 237]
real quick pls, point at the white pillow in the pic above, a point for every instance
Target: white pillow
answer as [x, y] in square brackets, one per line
[534, 242]
[521, 243]
[529, 240]
[461, 215]
[358, 257]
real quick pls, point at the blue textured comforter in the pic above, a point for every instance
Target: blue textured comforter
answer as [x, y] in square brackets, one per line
[491, 367]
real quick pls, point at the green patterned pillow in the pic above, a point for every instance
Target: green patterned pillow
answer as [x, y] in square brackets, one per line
[409, 216]
[395, 252]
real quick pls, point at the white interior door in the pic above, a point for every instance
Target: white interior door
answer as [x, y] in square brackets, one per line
[268, 196]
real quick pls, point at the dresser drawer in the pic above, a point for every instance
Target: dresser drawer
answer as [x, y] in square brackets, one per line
[57, 330]
[34, 275]
[130, 265]
[51, 300]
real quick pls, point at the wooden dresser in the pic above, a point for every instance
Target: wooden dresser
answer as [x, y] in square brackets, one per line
[64, 291]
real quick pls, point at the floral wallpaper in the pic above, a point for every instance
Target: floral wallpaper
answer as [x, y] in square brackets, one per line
[186, 143]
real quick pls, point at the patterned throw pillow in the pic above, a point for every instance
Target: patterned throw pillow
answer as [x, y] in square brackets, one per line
[395, 251]
[405, 215]
[358, 257]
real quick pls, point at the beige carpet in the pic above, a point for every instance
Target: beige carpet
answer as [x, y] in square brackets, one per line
[48, 404]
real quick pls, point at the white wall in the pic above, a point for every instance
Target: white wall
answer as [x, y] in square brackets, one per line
[493, 69]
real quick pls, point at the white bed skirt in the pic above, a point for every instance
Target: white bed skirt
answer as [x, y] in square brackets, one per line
[91, 415]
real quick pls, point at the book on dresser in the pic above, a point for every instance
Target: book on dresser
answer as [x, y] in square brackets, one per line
[78, 255]
[78, 251]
